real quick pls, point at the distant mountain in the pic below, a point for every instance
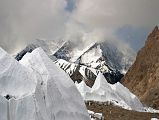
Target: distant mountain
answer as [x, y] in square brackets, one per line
[49, 47]
[85, 63]
[97, 55]
[143, 77]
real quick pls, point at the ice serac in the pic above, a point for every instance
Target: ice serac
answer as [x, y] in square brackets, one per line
[37, 90]
[143, 77]
[102, 91]
[58, 89]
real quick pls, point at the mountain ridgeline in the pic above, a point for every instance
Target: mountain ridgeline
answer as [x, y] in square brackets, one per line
[85, 64]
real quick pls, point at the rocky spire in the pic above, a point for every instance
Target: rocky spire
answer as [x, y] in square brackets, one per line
[154, 32]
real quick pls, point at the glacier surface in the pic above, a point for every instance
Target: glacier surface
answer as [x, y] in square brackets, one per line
[102, 91]
[37, 89]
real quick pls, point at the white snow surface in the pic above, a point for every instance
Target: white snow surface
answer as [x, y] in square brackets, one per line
[102, 91]
[15, 79]
[91, 57]
[40, 90]
[95, 116]
[154, 119]
[78, 52]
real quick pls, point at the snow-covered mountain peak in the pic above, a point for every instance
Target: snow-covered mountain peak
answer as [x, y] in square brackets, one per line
[83, 62]
[98, 55]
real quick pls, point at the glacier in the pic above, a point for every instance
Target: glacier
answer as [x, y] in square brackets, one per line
[36, 89]
[117, 94]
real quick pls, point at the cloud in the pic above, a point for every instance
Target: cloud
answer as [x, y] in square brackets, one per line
[107, 17]
[115, 13]
[22, 21]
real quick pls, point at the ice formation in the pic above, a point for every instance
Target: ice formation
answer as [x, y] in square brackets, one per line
[102, 91]
[37, 89]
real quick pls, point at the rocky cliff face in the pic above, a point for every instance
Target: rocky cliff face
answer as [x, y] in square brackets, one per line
[143, 77]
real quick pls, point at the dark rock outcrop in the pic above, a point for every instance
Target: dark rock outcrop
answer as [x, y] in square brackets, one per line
[28, 49]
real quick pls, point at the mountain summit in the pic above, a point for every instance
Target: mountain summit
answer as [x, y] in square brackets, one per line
[143, 77]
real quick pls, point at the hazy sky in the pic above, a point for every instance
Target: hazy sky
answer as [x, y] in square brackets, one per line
[124, 21]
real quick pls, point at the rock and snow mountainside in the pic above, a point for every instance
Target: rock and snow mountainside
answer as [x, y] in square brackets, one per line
[143, 77]
[84, 63]
[101, 56]
[37, 89]
[117, 94]
[106, 55]
[78, 72]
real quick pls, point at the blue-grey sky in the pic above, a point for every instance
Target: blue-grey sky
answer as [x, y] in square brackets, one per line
[126, 21]
[135, 36]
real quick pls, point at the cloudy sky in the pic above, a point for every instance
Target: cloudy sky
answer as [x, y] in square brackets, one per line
[124, 21]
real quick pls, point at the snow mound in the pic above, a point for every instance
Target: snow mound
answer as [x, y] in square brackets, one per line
[102, 91]
[37, 90]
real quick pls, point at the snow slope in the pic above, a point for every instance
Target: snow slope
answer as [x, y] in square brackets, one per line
[37, 90]
[102, 91]
[106, 55]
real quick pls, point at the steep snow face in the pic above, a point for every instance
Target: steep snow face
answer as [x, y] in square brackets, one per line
[91, 58]
[71, 52]
[78, 52]
[105, 55]
[38, 91]
[102, 91]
